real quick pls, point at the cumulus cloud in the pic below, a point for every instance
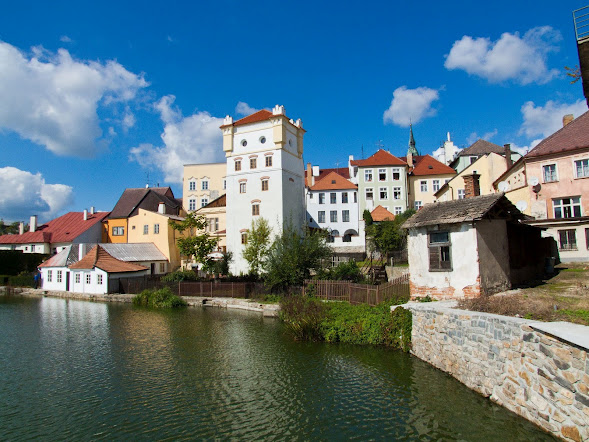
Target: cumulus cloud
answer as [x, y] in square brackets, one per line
[521, 59]
[245, 109]
[187, 140]
[27, 194]
[52, 99]
[547, 119]
[486, 136]
[410, 105]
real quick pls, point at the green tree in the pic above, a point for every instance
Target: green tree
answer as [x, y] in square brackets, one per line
[388, 236]
[9, 228]
[197, 242]
[258, 246]
[293, 255]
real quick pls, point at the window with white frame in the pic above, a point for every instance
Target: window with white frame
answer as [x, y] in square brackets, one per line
[418, 205]
[321, 216]
[382, 174]
[333, 216]
[383, 193]
[213, 224]
[567, 239]
[99, 279]
[355, 197]
[156, 228]
[237, 165]
[191, 204]
[396, 193]
[265, 184]
[549, 173]
[77, 278]
[145, 229]
[368, 175]
[204, 185]
[162, 267]
[268, 161]
[321, 198]
[244, 238]
[118, 231]
[242, 187]
[192, 185]
[439, 247]
[49, 275]
[396, 174]
[344, 197]
[582, 168]
[253, 163]
[88, 278]
[435, 185]
[461, 194]
[369, 193]
[255, 209]
[333, 198]
[398, 210]
[423, 186]
[204, 202]
[567, 207]
[345, 216]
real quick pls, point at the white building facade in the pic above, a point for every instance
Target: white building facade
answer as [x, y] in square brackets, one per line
[265, 176]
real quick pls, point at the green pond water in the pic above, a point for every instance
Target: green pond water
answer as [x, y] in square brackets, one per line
[74, 370]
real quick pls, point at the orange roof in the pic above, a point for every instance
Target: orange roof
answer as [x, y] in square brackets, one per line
[428, 165]
[381, 214]
[380, 158]
[333, 181]
[100, 258]
[571, 137]
[261, 115]
[66, 228]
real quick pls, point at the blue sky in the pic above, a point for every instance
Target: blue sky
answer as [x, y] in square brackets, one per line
[96, 98]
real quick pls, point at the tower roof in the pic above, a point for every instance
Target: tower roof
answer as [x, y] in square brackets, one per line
[412, 148]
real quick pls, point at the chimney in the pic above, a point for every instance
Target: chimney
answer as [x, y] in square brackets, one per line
[410, 159]
[33, 224]
[92, 210]
[472, 186]
[508, 161]
[161, 208]
[568, 118]
[85, 215]
[81, 251]
[309, 175]
[21, 228]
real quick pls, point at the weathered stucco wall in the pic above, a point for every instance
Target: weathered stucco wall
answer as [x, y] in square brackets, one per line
[493, 255]
[542, 378]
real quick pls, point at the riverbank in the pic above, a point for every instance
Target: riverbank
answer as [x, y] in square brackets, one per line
[536, 369]
[267, 310]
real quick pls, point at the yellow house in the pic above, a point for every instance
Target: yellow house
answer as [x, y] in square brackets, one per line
[153, 227]
[426, 176]
[202, 183]
[489, 167]
[214, 212]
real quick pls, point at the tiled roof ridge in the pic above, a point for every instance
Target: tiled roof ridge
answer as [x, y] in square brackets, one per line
[570, 126]
[323, 184]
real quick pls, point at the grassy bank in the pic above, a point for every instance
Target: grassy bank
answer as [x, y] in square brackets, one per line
[162, 298]
[311, 319]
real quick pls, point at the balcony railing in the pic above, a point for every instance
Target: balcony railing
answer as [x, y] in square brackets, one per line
[581, 21]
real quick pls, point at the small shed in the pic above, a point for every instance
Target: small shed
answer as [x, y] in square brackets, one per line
[470, 247]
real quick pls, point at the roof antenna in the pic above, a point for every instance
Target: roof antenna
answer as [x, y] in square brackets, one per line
[362, 151]
[147, 183]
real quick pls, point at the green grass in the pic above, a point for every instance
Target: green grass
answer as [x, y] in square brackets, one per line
[582, 315]
[576, 270]
[162, 298]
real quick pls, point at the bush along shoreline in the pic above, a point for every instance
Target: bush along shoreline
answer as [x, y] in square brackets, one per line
[161, 298]
[310, 319]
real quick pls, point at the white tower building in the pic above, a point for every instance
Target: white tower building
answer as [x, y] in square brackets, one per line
[265, 176]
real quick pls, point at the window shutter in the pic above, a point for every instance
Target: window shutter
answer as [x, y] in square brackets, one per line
[434, 258]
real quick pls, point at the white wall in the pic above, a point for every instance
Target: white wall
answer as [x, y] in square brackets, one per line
[53, 284]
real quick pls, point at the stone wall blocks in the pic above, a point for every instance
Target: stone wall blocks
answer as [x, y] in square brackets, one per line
[582, 399]
[569, 376]
[564, 383]
[546, 351]
[570, 432]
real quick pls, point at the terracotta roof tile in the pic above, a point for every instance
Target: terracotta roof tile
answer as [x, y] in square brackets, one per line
[99, 258]
[381, 214]
[63, 229]
[573, 136]
[261, 115]
[333, 181]
[428, 165]
[380, 158]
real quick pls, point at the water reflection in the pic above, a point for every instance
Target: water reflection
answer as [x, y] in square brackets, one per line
[77, 370]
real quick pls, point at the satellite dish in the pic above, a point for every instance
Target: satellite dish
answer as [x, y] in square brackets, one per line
[521, 205]
[503, 186]
[534, 181]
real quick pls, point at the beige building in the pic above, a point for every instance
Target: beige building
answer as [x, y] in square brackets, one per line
[489, 167]
[153, 227]
[202, 183]
[214, 212]
[426, 176]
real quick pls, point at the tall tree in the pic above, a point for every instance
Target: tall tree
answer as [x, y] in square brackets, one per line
[258, 245]
[388, 236]
[197, 243]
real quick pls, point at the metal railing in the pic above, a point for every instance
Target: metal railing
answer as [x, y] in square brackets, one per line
[581, 21]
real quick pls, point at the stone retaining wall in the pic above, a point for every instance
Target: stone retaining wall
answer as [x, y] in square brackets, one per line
[538, 376]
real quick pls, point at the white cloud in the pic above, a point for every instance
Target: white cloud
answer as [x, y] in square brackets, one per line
[486, 136]
[244, 109]
[410, 105]
[128, 120]
[547, 119]
[27, 194]
[522, 59]
[187, 140]
[65, 39]
[52, 99]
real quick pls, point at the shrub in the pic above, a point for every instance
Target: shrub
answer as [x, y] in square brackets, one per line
[161, 298]
[344, 271]
[180, 275]
[21, 281]
[302, 316]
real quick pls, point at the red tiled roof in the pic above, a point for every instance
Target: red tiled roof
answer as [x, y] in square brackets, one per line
[381, 214]
[333, 181]
[98, 257]
[343, 171]
[66, 228]
[261, 115]
[428, 165]
[573, 136]
[380, 158]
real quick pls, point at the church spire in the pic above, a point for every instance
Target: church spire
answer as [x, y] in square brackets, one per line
[412, 148]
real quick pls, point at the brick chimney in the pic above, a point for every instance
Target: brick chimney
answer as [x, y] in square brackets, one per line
[508, 161]
[410, 159]
[568, 118]
[472, 186]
